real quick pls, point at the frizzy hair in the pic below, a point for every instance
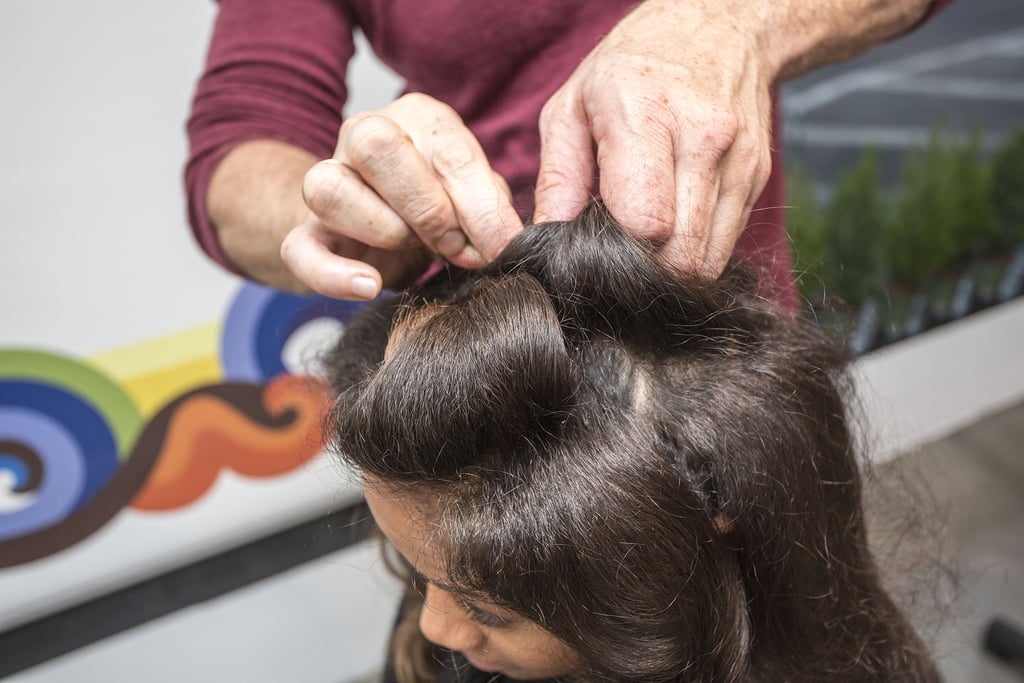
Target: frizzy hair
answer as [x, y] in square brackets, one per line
[657, 470]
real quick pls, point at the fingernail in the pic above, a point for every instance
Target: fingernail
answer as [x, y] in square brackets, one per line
[469, 258]
[364, 287]
[451, 243]
[472, 254]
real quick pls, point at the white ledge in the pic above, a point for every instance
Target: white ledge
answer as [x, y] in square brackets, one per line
[922, 389]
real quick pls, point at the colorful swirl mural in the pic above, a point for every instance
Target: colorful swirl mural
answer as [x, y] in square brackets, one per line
[78, 445]
[254, 430]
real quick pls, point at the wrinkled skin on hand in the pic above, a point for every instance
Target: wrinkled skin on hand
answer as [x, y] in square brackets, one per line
[406, 181]
[673, 110]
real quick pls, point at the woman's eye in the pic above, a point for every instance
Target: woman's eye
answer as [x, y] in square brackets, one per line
[485, 618]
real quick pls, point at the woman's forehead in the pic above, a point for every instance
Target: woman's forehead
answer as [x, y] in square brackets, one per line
[409, 520]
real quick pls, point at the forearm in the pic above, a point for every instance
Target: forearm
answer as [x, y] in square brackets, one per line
[254, 200]
[797, 36]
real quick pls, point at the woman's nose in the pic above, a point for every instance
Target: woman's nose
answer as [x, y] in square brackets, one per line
[444, 621]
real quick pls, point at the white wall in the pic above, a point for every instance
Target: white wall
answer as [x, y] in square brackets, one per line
[323, 622]
[92, 133]
[923, 389]
[96, 255]
[95, 97]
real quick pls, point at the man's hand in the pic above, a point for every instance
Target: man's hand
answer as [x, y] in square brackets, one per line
[406, 180]
[673, 109]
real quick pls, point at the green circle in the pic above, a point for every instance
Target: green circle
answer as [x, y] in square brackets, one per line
[86, 381]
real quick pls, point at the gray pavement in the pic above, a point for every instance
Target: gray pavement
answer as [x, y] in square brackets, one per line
[947, 526]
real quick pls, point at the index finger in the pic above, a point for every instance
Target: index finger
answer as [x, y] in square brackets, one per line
[393, 168]
[480, 197]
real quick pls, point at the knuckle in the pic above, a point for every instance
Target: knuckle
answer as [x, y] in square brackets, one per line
[414, 99]
[552, 178]
[751, 164]
[547, 112]
[749, 159]
[419, 103]
[430, 219]
[386, 234]
[553, 111]
[656, 226]
[350, 124]
[454, 159]
[373, 140]
[503, 187]
[322, 189]
[719, 130]
[653, 221]
[353, 119]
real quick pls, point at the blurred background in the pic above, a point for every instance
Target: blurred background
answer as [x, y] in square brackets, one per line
[123, 350]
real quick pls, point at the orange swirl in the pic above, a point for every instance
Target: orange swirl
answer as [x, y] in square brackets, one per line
[206, 433]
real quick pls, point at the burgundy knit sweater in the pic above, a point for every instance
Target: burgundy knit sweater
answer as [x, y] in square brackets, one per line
[276, 70]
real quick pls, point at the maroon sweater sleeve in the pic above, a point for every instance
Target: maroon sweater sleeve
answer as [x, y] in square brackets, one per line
[274, 70]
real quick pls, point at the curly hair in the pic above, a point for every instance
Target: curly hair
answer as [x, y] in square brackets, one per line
[657, 470]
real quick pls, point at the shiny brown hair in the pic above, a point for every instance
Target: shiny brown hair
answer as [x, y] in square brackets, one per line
[657, 470]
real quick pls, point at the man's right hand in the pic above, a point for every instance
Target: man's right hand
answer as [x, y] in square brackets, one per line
[406, 181]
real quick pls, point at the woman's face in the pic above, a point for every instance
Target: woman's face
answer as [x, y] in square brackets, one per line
[490, 638]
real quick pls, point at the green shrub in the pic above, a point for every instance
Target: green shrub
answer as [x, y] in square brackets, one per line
[943, 213]
[1008, 192]
[805, 224]
[854, 230]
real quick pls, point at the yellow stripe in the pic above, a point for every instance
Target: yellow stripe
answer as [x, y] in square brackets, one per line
[157, 371]
[160, 353]
[154, 390]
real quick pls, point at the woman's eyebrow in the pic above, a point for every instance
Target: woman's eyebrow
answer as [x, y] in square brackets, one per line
[463, 594]
[455, 590]
[440, 584]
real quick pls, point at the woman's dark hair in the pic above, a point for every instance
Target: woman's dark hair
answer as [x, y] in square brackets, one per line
[657, 470]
